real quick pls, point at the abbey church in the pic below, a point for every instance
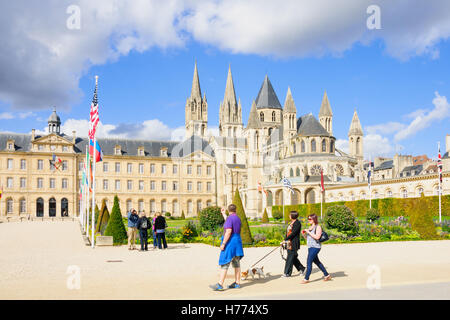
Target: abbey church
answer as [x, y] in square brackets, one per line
[205, 170]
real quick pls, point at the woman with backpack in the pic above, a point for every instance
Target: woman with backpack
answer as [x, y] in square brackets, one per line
[312, 235]
[143, 225]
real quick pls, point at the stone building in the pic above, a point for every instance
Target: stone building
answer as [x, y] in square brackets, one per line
[203, 170]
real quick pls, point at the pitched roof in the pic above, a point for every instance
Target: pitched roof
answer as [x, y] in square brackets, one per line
[325, 108]
[355, 126]
[289, 104]
[267, 98]
[389, 164]
[253, 119]
[308, 125]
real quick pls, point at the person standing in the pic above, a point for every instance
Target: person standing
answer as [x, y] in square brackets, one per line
[292, 243]
[132, 229]
[231, 250]
[160, 228]
[313, 234]
[155, 241]
[143, 225]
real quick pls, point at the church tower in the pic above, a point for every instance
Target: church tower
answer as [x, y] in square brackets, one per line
[196, 110]
[326, 115]
[355, 136]
[230, 113]
[289, 120]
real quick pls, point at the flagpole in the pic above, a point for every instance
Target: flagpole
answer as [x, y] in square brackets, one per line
[370, 182]
[439, 177]
[93, 193]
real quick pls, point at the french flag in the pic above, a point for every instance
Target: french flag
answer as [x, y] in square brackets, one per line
[98, 150]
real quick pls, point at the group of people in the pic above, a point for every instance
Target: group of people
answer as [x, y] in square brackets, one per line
[140, 223]
[231, 249]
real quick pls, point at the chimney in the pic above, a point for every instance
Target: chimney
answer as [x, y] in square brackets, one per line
[73, 136]
[33, 133]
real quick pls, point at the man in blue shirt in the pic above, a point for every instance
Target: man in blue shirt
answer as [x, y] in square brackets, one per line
[132, 228]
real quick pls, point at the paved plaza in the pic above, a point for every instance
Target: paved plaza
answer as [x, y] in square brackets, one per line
[42, 260]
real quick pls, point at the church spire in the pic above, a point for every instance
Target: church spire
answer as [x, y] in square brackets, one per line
[195, 91]
[230, 95]
[253, 119]
[325, 109]
[289, 104]
[355, 127]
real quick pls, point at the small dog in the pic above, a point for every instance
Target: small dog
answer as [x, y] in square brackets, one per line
[252, 272]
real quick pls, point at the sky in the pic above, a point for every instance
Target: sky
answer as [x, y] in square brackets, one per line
[391, 64]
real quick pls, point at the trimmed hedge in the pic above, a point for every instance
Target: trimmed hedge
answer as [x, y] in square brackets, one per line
[387, 207]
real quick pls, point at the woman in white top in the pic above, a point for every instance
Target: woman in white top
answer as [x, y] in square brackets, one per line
[312, 235]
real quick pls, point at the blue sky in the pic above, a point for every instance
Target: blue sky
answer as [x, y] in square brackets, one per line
[398, 96]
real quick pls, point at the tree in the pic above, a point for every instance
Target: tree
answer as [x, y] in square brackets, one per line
[96, 211]
[183, 217]
[246, 235]
[265, 217]
[103, 219]
[115, 227]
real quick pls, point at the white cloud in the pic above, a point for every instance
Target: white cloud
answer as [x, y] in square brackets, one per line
[424, 119]
[6, 116]
[374, 145]
[20, 115]
[42, 60]
[385, 128]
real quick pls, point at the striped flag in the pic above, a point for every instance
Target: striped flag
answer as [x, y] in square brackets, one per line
[1, 192]
[440, 164]
[322, 186]
[93, 115]
[287, 184]
[98, 151]
[56, 162]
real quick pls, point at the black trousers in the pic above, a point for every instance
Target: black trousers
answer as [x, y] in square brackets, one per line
[143, 235]
[292, 260]
[161, 236]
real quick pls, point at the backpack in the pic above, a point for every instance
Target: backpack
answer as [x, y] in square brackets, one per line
[144, 223]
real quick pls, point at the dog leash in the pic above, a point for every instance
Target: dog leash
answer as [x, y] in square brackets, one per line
[264, 257]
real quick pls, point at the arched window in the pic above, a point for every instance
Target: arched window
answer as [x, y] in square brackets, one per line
[199, 205]
[39, 207]
[152, 206]
[273, 116]
[9, 206]
[313, 145]
[297, 172]
[261, 116]
[22, 205]
[64, 207]
[303, 146]
[128, 205]
[270, 131]
[52, 207]
[324, 145]
[291, 172]
[234, 158]
[175, 207]
[331, 146]
[405, 193]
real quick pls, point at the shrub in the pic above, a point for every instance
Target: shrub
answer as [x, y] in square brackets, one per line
[246, 235]
[211, 218]
[265, 217]
[372, 215]
[421, 218]
[167, 214]
[276, 214]
[103, 219]
[115, 227]
[182, 215]
[341, 218]
[189, 231]
[259, 237]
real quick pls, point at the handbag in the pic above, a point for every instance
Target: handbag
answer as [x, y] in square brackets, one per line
[324, 236]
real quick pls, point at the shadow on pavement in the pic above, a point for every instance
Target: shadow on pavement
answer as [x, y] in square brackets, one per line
[338, 274]
[251, 281]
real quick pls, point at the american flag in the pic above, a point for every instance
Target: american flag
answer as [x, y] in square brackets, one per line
[440, 164]
[287, 184]
[93, 121]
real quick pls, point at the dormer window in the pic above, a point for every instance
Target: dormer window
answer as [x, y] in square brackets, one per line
[10, 145]
[141, 151]
[40, 147]
[117, 150]
[163, 152]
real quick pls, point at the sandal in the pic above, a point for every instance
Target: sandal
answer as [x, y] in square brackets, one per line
[304, 281]
[327, 278]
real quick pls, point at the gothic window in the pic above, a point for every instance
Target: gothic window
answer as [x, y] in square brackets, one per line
[331, 146]
[273, 116]
[303, 146]
[315, 170]
[291, 172]
[313, 145]
[261, 116]
[270, 131]
[297, 172]
[234, 158]
[324, 145]
[294, 148]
